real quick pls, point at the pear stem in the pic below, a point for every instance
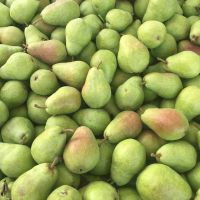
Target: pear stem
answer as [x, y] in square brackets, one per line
[101, 18]
[39, 19]
[162, 60]
[157, 156]
[98, 66]
[103, 140]
[67, 130]
[38, 106]
[54, 163]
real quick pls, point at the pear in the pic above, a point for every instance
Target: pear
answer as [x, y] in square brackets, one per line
[149, 95]
[158, 67]
[81, 153]
[86, 8]
[167, 123]
[49, 145]
[11, 35]
[18, 130]
[128, 159]
[179, 155]
[143, 108]
[19, 66]
[100, 190]
[72, 73]
[108, 39]
[191, 7]
[6, 51]
[32, 34]
[96, 91]
[186, 64]
[37, 115]
[165, 85]
[125, 5]
[14, 93]
[167, 184]
[27, 7]
[60, 12]
[5, 188]
[59, 34]
[111, 107]
[167, 103]
[188, 102]
[64, 101]
[5, 113]
[126, 124]
[193, 19]
[192, 135]
[152, 33]
[133, 28]
[13, 155]
[65, 177]
[133, 56]
[160, 10]
[118, 19]
[50, 51]
[9, 2]
[105, 60]
[197, 197]
[178, 26]
[195, 33]
[65, 192]
[130, 95]
[126, 193]
[42, 178]
[187, 45]
[140, 7]
[39, 129]
[6, 20]
[20, 111]
[103, 6]
[95, 119]
[75, 40]
[193, 81]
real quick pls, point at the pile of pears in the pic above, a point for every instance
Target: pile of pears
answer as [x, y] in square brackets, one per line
[99, 99]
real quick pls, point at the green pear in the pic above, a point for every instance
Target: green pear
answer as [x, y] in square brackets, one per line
[9, 2]
[165, 85]
[76, 41]
[95, 119]
[49, 145]
[178, 26]
[186, 45]
[126, 193]
[197, 197]
[64, 101]
[5, 188]
[65, 192]
[39, 129]
[152, 33]
[43, 82]
[166, 49]
[105, 60]
[193, 81]
[19, 66]
[81, 153]
[126, 124]
[37, 115]
[188, 102]
[144, 107]
[65, 177]
[20, 111]
[160, 182]
[27, 7]
[167, 103]
[4, 113]
[130, 95]
[50, 51]
[192, 133]
[186, 64]
[11, 35]
[32, 34]
[95, 83]
[59, 34]
[102, 7]
[108, 39]
[179, 155]
[158, 67]
[14, 93]
[195, 33]
[160, 10]
[124, 5]
[6, 20]
[6, 51]
[88, 178]
[140, 7]
[18, 130]
[86, 8]
[193, 19]
[43, 4]
[191, 7]
[133, 56]
[111, 107]
[149, 95]
[118, 19]
[42, 178]
[167, 123]
[128, 159]
[100, 190]
[60, 12]
[72, 73]
[13, 155]
[133, 28]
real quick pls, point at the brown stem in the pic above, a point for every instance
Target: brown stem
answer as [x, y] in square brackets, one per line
[38, 106]
[162, 60]
[155, 155]
[55, 162]
[67, 130]
[98, 66]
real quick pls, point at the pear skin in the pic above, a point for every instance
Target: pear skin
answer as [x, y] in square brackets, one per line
[6, 20]
[5, 113]
[126, 193]
[59, 34]
[186, 45]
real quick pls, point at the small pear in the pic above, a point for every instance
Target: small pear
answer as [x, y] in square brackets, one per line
[168, 123]
[125, 5]
[81, 154]
[195, 33]
[86, 8]
[127, 151]
[6, 20]
[126, 193]
[187, 45]
[59, 34]
[20, 111]
[140, 7]
[133, 28]
[96, 91]
[5, 113]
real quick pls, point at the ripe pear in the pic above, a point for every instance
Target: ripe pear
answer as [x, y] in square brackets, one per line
[27, 7]
[167, 103]
[133, 28]
[20, 111]
[6, 20]
[195, 33]
[187, 45]
[133, 56]
[87, 8]
[166, 184]
[125, 5]
[168, 123]
[72, 73]
[4, 113]
[42, 178]
[81, 153]
[96, 91]
[129, 157]
[60, 12]
[59, 34]
[13, 155]
[140, 7]
[126, 193]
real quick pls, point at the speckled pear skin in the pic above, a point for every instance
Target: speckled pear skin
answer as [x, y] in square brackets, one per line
[168, 123]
